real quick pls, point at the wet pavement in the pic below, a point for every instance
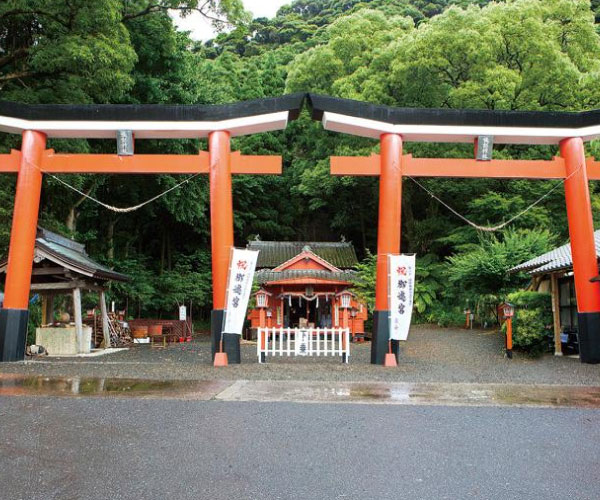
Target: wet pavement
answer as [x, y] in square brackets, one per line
[306, 391]
[128, 448]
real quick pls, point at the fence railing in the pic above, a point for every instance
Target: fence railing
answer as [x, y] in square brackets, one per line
[303, 342]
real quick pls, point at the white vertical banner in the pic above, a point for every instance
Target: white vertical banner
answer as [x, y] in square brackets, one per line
[402, 288]
[239, 286]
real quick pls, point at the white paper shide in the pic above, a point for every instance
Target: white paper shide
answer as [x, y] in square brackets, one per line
[402, 288]
[239, 286]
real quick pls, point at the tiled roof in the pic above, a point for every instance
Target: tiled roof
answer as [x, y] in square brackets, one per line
[554, 260]
[274, 253]
[265, 275]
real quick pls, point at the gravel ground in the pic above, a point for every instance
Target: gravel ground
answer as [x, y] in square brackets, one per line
[431, 354]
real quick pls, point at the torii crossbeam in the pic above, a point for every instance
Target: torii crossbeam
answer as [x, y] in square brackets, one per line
[36, 123]
[392, 126]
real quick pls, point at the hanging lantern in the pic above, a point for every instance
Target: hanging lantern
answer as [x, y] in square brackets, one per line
[346, 298]
[508, 310]
[261, 298]
[290, 300]
[317, 302]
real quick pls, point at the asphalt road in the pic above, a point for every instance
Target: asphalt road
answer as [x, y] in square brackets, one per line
[97, 448]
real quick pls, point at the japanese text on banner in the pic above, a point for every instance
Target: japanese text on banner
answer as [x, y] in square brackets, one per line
[402, 287]
[239, 286]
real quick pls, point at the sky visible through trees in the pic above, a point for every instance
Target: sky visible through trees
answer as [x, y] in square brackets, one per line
[513, 55]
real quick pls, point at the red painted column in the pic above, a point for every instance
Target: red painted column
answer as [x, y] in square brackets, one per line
[14, 315]
[583, 248]
[221, 228]
[388, 237]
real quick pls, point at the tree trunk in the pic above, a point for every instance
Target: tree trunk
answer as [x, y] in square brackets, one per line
[71, 218]
[163, 251]
[110, 238]
[71, 221]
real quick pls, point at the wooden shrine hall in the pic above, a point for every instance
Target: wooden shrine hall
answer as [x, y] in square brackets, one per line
[306, 285]
[62, 266]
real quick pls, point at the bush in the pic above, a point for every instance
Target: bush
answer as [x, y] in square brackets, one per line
[532, 321]
[442, 314]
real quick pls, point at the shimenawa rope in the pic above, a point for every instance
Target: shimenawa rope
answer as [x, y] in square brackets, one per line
[504, 224]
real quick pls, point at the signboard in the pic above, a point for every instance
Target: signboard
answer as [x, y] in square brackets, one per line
[485, 145]
[301, 344]
[239, 286]
[124, 142]
[182, 313]
[402, 287]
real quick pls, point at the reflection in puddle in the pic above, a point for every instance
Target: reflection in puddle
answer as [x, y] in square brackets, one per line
[88, 386]
[307, 391]
[417, 394]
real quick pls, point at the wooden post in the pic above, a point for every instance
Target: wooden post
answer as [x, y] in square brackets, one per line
[49, 308]
[556, 313]
[44, 310]
[105, 327]
[78, 321]
[509, 341]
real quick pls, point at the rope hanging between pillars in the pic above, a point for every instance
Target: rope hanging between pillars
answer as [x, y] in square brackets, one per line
[504, 224]
[120, 210]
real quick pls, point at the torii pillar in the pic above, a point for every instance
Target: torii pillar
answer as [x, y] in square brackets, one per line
[583, 249]
[221, 230]
[388, 165]
[15, 312]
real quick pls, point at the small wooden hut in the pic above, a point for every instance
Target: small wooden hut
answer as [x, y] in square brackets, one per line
[62, 266]
[552, 272]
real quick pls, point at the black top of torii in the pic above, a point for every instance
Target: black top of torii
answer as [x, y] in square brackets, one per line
[272, 113]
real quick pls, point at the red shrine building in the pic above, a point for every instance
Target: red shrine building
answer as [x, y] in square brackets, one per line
[306, 285]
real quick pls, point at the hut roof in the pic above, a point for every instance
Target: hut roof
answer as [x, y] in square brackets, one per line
[70, 255]
[554, 260]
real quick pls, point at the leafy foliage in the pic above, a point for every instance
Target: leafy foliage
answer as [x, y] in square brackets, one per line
[485, 268]
[532, 321]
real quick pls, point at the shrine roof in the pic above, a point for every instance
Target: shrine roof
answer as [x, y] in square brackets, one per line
[266, 275]
[274, 253]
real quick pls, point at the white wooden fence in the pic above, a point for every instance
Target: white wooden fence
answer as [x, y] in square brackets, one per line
[303, 342]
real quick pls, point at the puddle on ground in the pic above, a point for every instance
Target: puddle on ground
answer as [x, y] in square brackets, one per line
[11, 385]
[415, 394]
[306, 391]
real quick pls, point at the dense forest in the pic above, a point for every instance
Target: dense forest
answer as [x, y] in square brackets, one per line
[513, 55]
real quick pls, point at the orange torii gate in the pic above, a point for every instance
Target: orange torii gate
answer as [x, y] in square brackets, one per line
[218, 123]
[393, 126]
